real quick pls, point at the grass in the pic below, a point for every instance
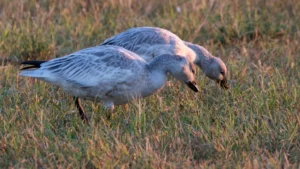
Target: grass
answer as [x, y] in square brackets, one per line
[256, 124]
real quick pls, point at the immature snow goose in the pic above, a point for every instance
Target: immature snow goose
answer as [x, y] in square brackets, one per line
[149, 42]
[110, 74]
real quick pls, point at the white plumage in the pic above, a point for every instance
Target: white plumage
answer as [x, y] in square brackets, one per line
[110, 74]
[149, 42]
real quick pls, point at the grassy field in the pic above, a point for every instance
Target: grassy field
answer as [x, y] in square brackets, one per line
[256, 124]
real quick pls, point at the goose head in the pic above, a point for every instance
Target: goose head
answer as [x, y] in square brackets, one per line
[184, 71]
[216, 70]
[213, 67]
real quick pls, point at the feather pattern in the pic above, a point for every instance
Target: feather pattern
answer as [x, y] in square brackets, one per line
[149, 42]
[110, 73]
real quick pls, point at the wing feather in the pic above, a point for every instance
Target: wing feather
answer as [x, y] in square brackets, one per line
[148, 42]
[130, 38]
[96, 66]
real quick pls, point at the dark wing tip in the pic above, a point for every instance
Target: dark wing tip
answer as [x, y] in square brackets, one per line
[34, 64]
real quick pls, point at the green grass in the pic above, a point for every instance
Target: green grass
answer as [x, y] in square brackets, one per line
[256, 124]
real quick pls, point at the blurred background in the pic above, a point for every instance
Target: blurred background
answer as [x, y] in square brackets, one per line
[45, 29]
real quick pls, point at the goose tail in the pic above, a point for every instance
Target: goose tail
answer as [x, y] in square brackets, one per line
[33, 63]
[32, 70]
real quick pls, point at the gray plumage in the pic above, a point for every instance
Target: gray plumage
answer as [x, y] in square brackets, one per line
[149, 42]
[111, 74]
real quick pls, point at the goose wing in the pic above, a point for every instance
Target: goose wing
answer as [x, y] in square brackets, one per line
[133, 37]
[142, 37]
[93, 66]
[148, 42]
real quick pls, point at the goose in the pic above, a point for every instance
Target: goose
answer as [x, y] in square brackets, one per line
[110, 74]
[149, 42]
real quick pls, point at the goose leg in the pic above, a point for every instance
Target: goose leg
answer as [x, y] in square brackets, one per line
[109, 106]
[82, 114]
[109, 114]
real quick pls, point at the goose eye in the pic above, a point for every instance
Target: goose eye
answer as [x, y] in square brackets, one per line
[193, 71]
[222, 72]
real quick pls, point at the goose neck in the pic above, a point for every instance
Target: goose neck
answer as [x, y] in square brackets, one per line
[162, 63]
[202, 55]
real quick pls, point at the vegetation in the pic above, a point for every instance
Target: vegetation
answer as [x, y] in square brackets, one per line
[256, 124]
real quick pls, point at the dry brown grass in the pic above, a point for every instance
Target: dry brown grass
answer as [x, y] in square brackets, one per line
[254, 125]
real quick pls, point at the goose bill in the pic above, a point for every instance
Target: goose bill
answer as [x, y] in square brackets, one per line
[193, 86]
[223, 83]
